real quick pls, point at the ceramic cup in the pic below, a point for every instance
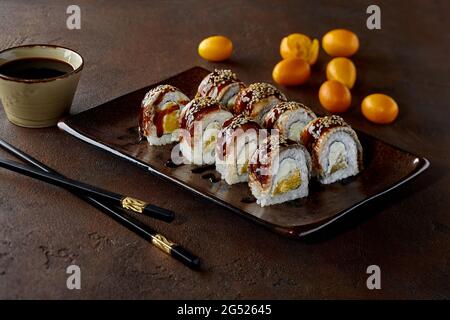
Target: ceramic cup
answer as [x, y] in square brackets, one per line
[39, 103]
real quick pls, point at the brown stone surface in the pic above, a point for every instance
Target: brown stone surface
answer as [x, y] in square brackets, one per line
[130, 44]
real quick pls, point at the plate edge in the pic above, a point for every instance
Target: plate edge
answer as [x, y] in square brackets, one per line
[291, 233]
[413, 175]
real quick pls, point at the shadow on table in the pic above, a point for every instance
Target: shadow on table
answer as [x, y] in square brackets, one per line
[369, 210]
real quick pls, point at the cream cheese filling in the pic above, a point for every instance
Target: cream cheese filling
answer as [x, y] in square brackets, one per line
[210, 136]
[244, 156]
[337, 157]
[295, 129]
[287, 178]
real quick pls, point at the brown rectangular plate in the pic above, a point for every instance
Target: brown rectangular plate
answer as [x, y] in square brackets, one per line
[113, 127]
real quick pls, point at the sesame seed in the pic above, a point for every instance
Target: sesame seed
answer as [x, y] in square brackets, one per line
[196, 105]
[283, 107]
[256, 92]
[153, 93]
[221, 77]
[318, 125]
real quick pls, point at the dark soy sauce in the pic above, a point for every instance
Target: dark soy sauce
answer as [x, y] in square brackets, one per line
[133, 130]
[35, 68]
[203, 169]
[133, 133]
[170, 164]
[211, 177]
[250, 199]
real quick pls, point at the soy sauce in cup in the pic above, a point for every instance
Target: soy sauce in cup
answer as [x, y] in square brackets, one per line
[35, 68]
[38, 83]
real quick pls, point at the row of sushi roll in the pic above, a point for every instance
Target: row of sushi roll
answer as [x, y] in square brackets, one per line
[252, 134]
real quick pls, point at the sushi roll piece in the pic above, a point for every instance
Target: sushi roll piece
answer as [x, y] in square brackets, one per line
[160, 112]
[289, 118]
[201, 120]
[335, 149]
[257, 99]
[279, 171]
[236, 144]
[222, 85]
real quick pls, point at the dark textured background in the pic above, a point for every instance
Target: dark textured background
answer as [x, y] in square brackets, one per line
[130, 44]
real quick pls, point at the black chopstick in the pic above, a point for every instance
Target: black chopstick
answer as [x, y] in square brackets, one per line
[158, 240]
[129, 203]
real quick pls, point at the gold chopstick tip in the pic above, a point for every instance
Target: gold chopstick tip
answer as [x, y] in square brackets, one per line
[133, 204]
